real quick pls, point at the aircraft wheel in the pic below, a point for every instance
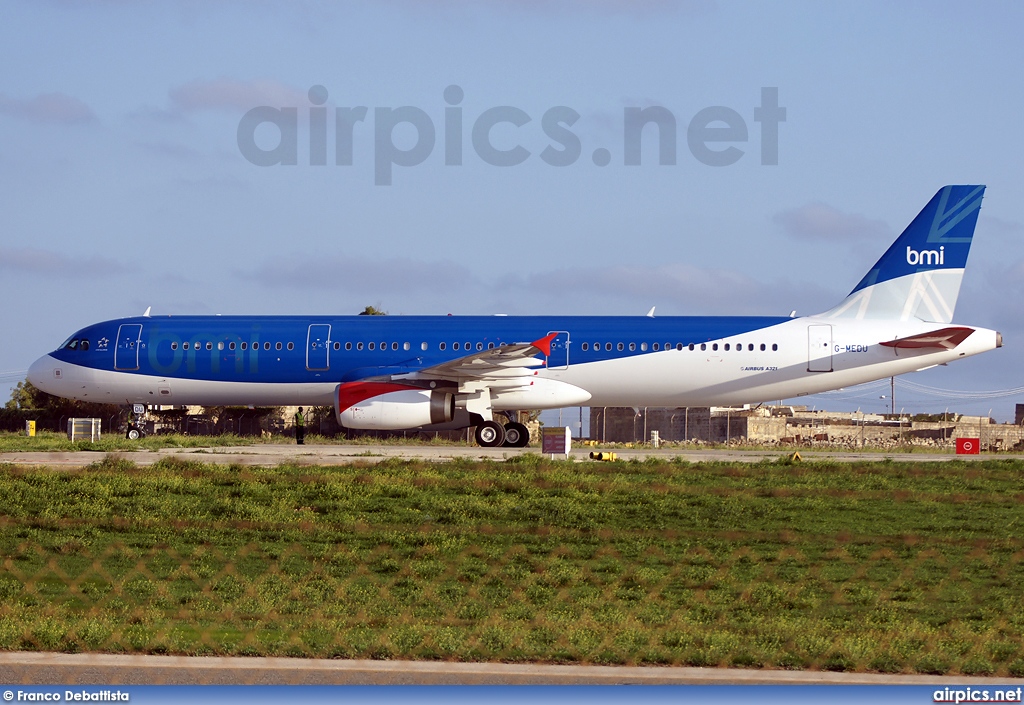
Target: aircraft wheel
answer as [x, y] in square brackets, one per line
[490, 434]
[517, 435]
[133, 434]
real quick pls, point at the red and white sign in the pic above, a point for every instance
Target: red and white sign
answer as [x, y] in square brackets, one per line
[556, 441]
[968, 446]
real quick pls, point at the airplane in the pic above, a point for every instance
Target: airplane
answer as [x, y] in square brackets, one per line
[448, 372]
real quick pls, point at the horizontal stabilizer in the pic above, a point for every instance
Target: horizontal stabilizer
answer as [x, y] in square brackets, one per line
[946, 339]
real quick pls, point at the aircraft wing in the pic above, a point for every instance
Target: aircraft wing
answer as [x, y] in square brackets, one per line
[945, 338]
[496, 363]
[502, 361]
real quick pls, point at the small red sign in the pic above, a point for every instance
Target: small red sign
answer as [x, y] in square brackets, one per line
[968, 446]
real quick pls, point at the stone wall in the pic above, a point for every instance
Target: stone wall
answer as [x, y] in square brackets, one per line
[784, 425]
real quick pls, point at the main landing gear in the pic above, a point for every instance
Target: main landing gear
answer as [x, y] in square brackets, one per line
[491, 434]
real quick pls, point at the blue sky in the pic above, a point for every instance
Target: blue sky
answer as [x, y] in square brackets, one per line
[123, 185]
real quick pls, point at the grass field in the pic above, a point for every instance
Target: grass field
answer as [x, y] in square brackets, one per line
[880, 566]
[46, 441]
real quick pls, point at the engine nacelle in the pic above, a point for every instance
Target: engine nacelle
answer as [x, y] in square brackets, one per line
[386, 407]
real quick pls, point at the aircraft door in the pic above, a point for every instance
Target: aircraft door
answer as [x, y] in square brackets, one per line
[819, 348]
[318, 342]
[559, 357]
[126, 352]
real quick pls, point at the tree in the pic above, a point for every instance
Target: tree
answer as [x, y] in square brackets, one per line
[27, 397]
[372, 311]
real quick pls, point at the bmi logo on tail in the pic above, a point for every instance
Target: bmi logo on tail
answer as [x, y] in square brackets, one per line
[926, 256]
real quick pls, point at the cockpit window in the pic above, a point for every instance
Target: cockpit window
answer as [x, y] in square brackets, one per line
[84, 345]
[72, 344]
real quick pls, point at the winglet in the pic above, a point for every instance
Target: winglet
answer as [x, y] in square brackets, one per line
[544, 344]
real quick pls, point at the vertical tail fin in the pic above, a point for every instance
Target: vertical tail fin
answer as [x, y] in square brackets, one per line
[919, 275]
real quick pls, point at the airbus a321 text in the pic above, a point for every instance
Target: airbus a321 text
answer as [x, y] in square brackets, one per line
[445, 372]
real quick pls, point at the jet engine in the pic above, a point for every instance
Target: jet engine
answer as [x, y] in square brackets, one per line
[384, 406]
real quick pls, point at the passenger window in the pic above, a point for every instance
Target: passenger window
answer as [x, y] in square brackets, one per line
[184, 346]
[384, 346]
[291, 346]
[479, 346]
[372, 346]
[359, 346]
[643, 346]
[727, 347]
[455, 346]
[750, 347]
[406, 346]
[174, 346]
[762, 347]
[619, 346]
[714, 347]
[278, 346]
[607, 346]
[348, 346]
[632, 346]
[584, 347]
[441, 346]
[394, 346]
[656, 347]
[266, 346]
[423, 346]
[703, 346]
[490, 346]
[775, 347]
[679, 346]
[244, 346]
[231, 345]
[220, 345]
[209, 346]
[467, 346]
[691, 346]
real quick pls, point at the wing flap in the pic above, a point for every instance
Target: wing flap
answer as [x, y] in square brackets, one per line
[944, 338]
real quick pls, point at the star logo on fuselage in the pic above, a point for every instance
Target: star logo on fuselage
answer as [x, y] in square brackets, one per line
[102, 343]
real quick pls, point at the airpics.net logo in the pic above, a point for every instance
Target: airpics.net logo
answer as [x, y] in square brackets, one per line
[715, 135]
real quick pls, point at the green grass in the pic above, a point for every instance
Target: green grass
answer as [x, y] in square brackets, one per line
[890, 567]
[45, 441]
[51, 441]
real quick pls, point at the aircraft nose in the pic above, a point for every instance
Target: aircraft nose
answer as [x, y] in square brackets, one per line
[44, 373]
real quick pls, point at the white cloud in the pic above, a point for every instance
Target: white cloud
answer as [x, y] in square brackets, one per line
[58, 108]
[234, 95]
[54, 264]
[820, 221]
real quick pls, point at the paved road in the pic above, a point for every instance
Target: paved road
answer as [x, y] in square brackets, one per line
[270, 455]
[31, 668]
